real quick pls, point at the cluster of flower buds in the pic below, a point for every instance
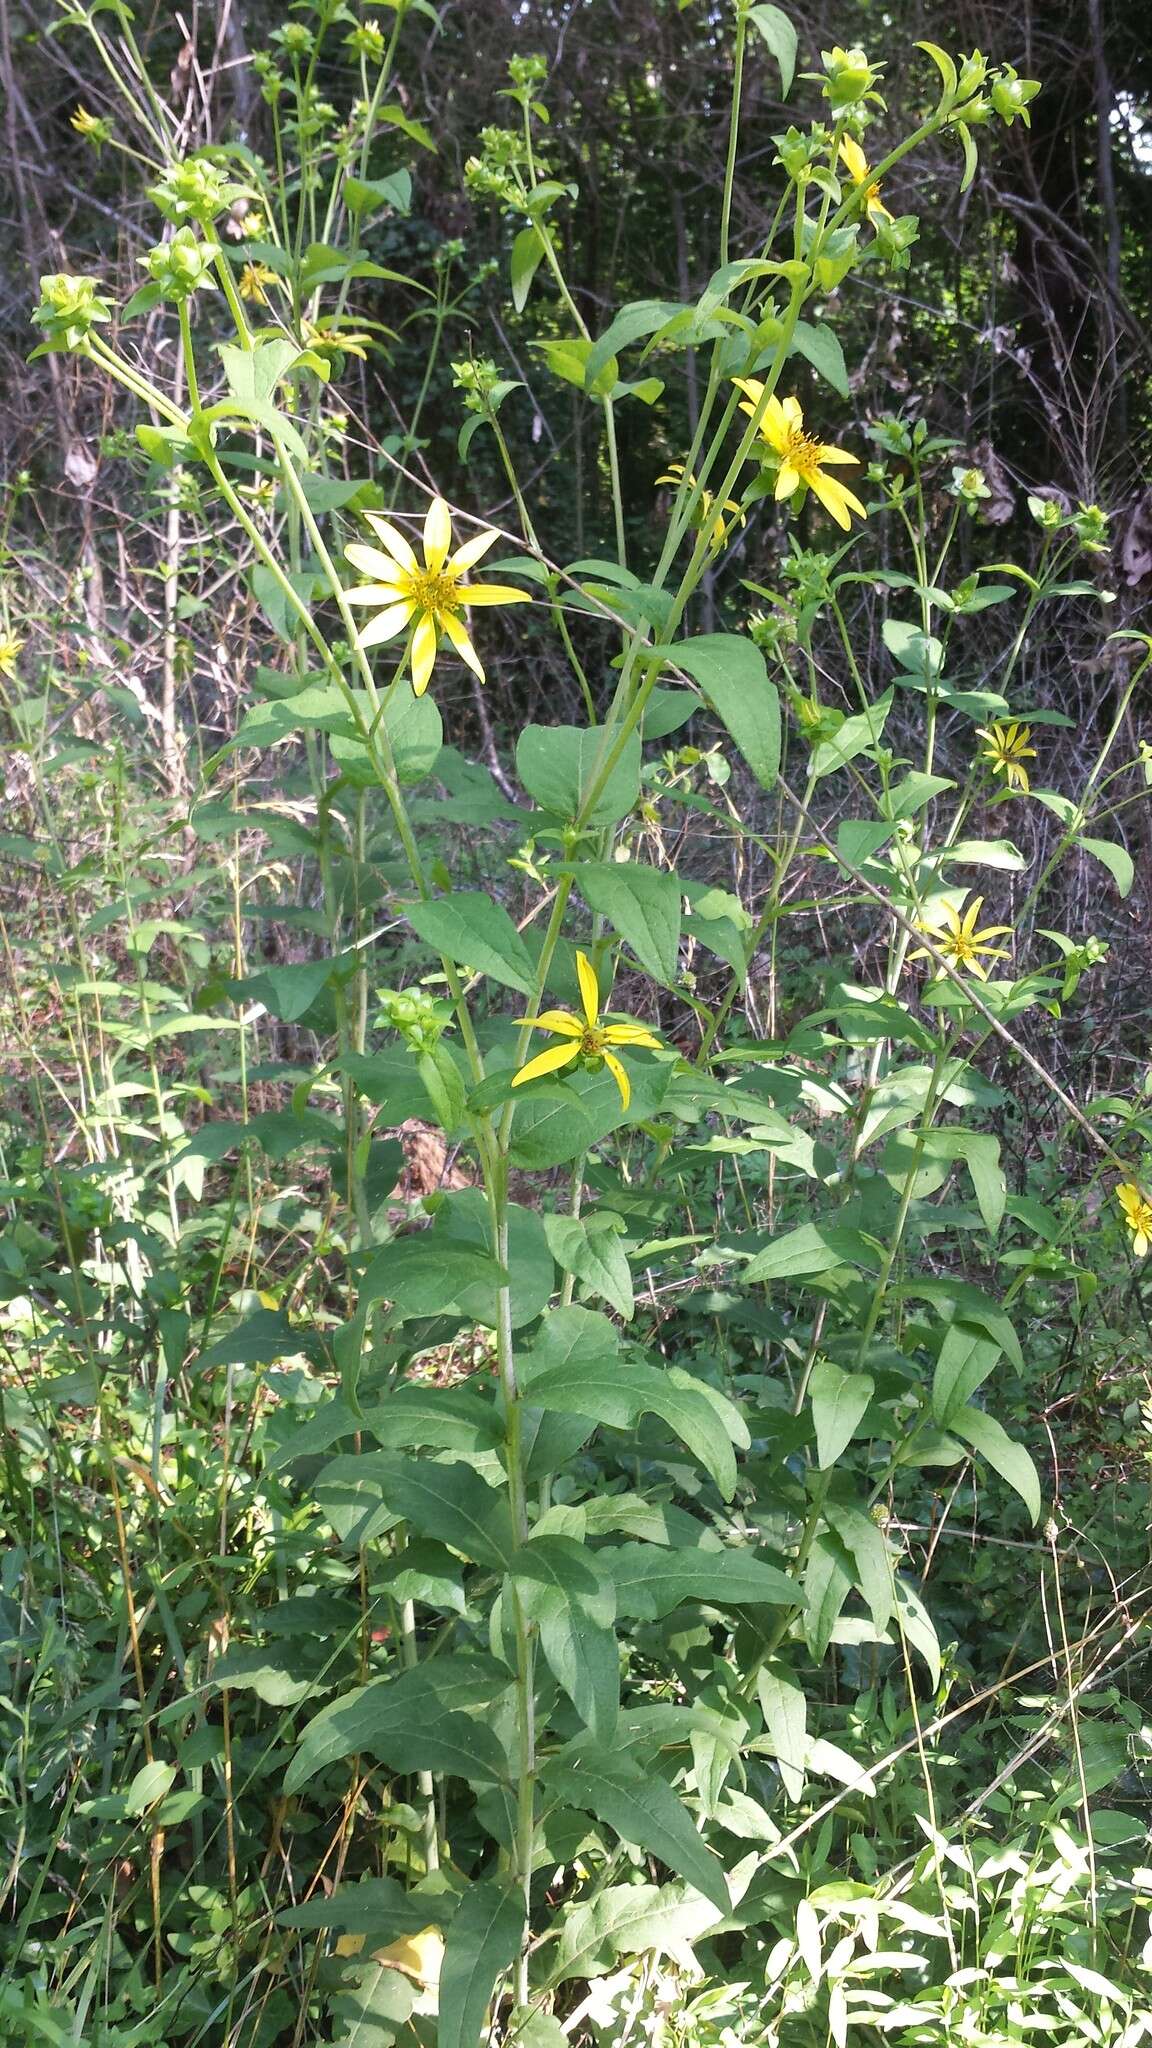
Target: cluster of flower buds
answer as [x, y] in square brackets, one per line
[69, 308]
[1088, 522]
[196, 190]
[849, 80]
[492, 174]
[178, 268]
[419, 1017]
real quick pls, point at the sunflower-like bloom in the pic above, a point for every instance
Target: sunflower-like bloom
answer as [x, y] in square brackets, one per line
[428, 595]
[718, 520]
[1137, 1207]
[803, 460]
[957, 938]
[254, 281]
[10, 645]
[856, 164]
[587, 1038]
[1007, 750]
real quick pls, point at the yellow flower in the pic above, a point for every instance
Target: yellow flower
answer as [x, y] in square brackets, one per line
[328, 339]
[588, 1039]
[10, 645]
[856, 164]
[96, 127]
[1007, 750]
[959, 941]
[717, 523]
[428, 596]
[255, 279]
[803, 460]
[1137, 1207]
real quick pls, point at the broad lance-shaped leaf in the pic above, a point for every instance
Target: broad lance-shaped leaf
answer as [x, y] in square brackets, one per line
[449, 1502]
[651, 1580]
[967, 1356]
[475, 931]
[561, 766]
[562, 1588]
[809, 1249]
[421, 1720]
[483, 1942]
[734, 677]
[840, 1400]
[640, 1808]
[589, 1247]
[641, 904]
[619, 1392]
[1003, 1453]
[785, 1711]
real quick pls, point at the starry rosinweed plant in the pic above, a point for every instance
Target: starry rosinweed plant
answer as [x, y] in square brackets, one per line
[564, 1787]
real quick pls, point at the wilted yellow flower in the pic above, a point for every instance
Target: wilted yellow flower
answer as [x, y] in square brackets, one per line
[803, 459]
[96, 127]
[1137, 1207]
[959, 941]
[1007, 750]
[587, 1038]
[428, 596]
[718, 521]
[326, 338]
[10, 645]
[856, 164]
[254, 281]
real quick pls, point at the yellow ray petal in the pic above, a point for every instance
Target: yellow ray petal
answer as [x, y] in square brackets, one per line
[393, 540]
[620, 1077]
[786, 482]
[455, 632]
[835, 499]
[437, 534]
[825, 454]
[423, 653]
[559, 1020]
[546, 1063]
[375, 563]
[472, 550]
[386, 624]
[375, 593]
[853, 159]
[589, 988]
[491, 593]
[630, 1034]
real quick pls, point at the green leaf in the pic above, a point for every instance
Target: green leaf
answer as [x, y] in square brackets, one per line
[643, 316]
[287, 992]
[618, 1393]
[449, 1502]
[527, 256]
[641, 1809]
[852, 738]
[416, 1417]
[564, 1591]
[916, 1624]
[560, 764]
[1115, 858]
[558, 1120]
[785, 1711]
[1002, 1452]
[589, 1246]
[869, 1553]
[958, 1300]
[780, 37]
[828, 1580]
[840, 1400]
[419, 1276]
[425, 1719]
[377, 1906]
[464, 1219]
[979, 1151]
[820, 346]
[733, 676]
[643, 905]
[651, 1580]
[366, 195]
[810, 1248]
[967, 1356]
[475, 931]
[483, 1942]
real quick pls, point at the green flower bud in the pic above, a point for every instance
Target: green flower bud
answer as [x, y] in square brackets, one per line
[1011, 94]
[180, 266]
[849, 77]
[69, 308]
[197, 190]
